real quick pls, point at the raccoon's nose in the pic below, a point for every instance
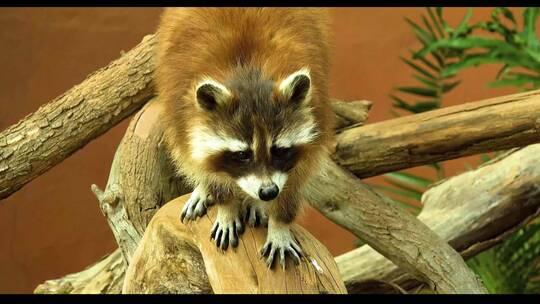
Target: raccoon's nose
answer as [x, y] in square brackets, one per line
[269, 192]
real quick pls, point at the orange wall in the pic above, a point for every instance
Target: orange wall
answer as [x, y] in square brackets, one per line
[53, 226]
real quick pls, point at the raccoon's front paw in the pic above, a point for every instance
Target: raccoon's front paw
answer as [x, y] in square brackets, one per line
[281, 241]
[228, 226]
[197, 205]
[255, 214]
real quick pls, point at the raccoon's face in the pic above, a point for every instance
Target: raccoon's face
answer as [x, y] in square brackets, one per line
[254, 130]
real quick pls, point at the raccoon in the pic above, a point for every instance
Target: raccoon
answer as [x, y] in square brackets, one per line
[247, 116]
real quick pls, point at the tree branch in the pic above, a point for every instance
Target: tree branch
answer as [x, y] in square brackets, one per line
[59, 128]
[391, 231]
[482, 126]
[472, 211]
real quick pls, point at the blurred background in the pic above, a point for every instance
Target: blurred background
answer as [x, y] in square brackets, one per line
[53, 226]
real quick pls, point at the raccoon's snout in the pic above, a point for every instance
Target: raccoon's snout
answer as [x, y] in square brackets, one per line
[268, 192]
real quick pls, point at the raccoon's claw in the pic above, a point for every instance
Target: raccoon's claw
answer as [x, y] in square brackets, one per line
[196, 206]
[256, 215]
[227, 229]
[281, 244]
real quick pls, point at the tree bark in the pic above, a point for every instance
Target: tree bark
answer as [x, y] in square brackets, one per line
[343, 199]
[178, 258]
[482, 126]
[59, 128]
[472, 211]
[391, 231]
[105, 276]
[141, 180]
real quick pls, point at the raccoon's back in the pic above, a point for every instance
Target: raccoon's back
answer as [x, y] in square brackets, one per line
[210, 41]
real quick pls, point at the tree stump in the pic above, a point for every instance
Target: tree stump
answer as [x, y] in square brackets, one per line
[173, 257]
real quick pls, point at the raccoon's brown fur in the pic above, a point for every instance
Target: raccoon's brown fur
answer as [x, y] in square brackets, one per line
[249, 50]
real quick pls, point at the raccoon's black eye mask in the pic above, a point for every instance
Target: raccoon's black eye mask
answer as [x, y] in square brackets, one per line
[284, 158]
[239, 156]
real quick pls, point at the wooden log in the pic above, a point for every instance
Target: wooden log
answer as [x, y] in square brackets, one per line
[59, 128]
[391, 231]
[476, 127]
[105, 276]
[472, 211]
[172, 256]
[142, 180]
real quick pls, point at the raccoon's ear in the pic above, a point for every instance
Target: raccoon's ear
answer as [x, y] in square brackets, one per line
[210, 94]
[297, 87]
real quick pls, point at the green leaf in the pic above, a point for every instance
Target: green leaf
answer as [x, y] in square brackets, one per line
[469, 61]
[419, 91]
[502, 71]
[439, 169]
[438, 27]
[530, 15]
[463, 25]
[467, 43]
[416, 195]
[508, 14]
[427, 62]
[485, 158]
[418, 68]
[394, 113]
[533, 54]
[429, 83]
[429, 27]
[445, 25]
[507, 82]
[410, 179]
[449, 86]
[517, 80]
[424, 106]
[421, 34]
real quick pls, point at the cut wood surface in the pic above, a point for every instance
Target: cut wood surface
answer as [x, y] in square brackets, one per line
[172, 256]
[59, 128]
[482, 126]
[472, 211]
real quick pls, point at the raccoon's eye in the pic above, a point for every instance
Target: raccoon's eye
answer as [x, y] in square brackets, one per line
[242, 156]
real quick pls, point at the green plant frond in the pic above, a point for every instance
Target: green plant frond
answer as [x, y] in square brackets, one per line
[463, 26]
[530, 15]
[421, 34]
[427, 92]
[506, 13]
[502, 71]
[439, 169]
[485, 158]
[535, 55]
[428, 63]
[468, 43]
[516, 82]
[401, 185]
[449, 86]
[446, 27]
[412, 194]
[394, 113]
[410, 179]
[431, 84]
[429, 27]
[438, 26]
[469, 61]
[418, 68]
